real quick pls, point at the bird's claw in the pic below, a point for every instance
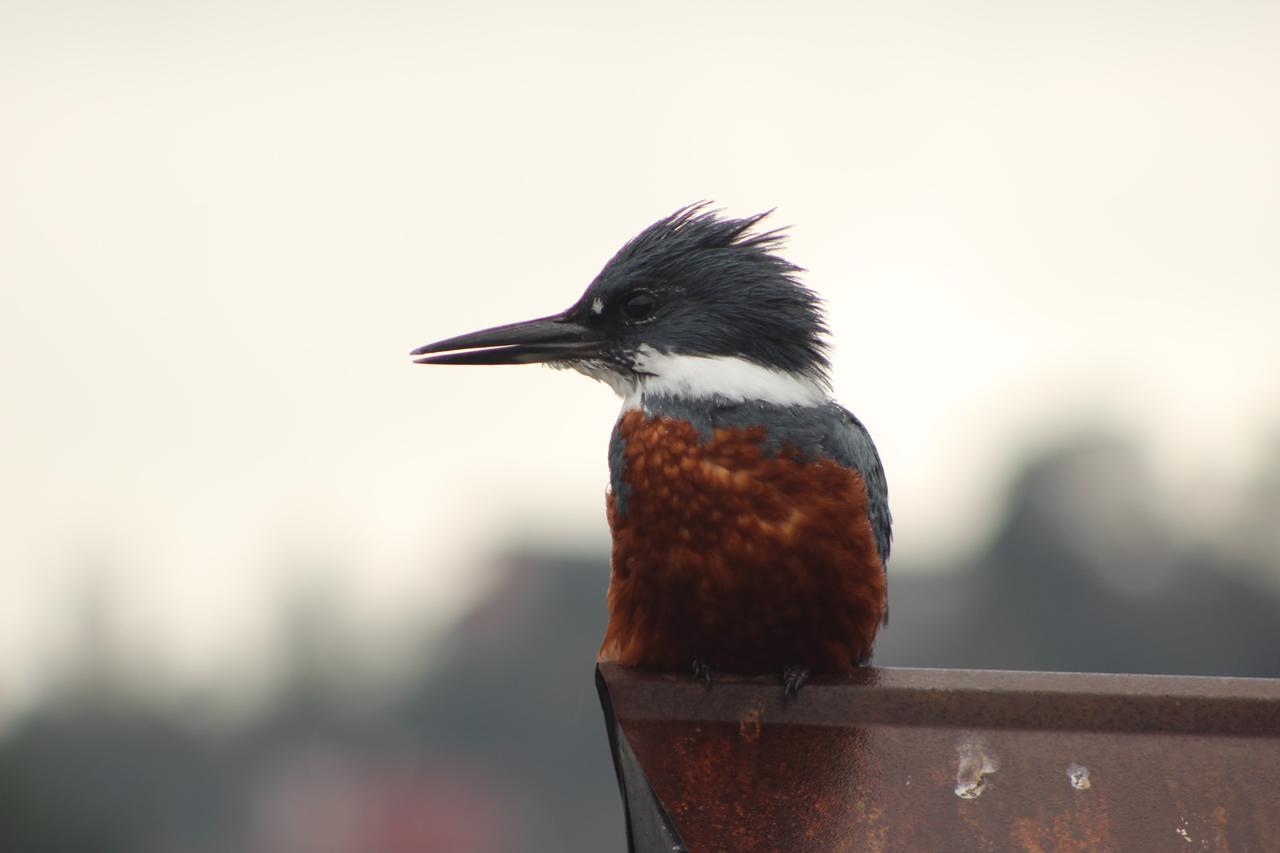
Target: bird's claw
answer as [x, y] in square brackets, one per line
[793, 678]
[702, 672]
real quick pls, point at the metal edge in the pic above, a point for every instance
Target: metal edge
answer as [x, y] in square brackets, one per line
[649, 827]
[965, 699]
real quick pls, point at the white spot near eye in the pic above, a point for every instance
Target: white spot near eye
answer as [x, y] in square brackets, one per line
[597, 306]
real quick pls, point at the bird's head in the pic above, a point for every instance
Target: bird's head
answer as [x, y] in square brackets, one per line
[694, 306]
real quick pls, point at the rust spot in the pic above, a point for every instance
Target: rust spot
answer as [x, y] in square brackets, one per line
[1083, 827]
[749, 725]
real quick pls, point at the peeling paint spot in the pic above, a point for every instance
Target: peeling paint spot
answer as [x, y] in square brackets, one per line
[1078, 775]
[975, 765]
[1182, 830]
[597, 306]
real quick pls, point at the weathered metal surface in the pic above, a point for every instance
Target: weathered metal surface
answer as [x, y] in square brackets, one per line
[920, 760]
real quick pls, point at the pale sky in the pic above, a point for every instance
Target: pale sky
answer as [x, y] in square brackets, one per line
[226, 224]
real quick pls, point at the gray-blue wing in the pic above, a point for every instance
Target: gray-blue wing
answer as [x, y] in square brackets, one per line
[849, 443]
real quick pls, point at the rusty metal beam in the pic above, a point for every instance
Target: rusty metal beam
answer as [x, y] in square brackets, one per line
[919, 760]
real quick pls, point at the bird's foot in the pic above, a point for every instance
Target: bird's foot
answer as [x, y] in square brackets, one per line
[793, 678]
[702, 672]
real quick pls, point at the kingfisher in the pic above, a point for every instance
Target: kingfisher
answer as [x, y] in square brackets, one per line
[749, 510]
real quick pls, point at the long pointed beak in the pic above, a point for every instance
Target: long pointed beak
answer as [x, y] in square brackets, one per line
[545, 339]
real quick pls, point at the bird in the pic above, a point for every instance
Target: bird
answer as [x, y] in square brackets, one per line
[748, 510]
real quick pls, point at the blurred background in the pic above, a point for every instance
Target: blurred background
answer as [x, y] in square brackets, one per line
[266, 586]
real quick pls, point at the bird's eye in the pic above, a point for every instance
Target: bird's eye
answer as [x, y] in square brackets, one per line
[639, 305]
